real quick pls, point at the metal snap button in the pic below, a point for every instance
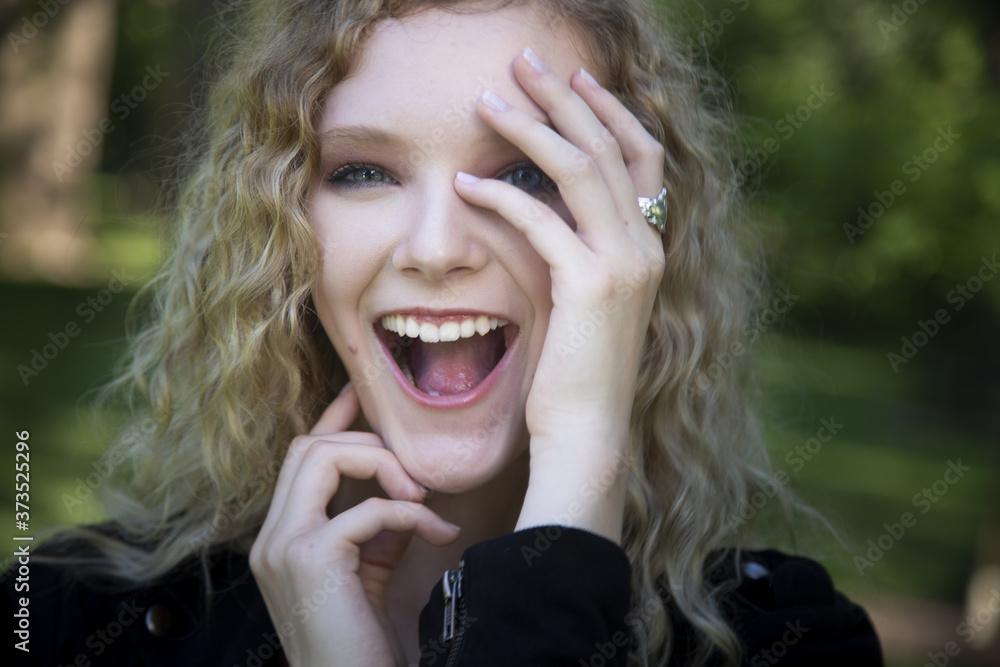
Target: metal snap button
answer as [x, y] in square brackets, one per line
[158, 620]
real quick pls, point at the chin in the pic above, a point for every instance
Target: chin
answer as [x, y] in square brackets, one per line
[456, 453]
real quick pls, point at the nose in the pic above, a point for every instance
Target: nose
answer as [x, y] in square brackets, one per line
[440, 238]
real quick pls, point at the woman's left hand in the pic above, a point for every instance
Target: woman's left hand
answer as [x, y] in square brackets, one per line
[604, 274]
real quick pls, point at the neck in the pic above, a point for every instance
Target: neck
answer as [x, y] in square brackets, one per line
[488, 511]
[483, 513]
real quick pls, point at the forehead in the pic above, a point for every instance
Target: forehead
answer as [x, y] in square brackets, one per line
[431, 67]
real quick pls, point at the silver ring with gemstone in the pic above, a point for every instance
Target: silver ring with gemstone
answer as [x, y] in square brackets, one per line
[655, 210]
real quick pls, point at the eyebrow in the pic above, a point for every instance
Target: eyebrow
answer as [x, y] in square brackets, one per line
[372, 135]
[360, 134]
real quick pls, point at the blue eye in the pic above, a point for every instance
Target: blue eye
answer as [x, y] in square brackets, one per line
[527, 176]
[359, 176]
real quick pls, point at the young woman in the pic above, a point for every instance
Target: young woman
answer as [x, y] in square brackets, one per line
[429, 366]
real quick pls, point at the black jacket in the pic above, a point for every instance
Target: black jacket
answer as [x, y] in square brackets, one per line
[544, 596]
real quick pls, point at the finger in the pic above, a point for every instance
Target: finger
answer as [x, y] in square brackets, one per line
[289, 468]
[577, 123]
[319, 476]
[337, 417]
[545, 229]
[340, 414]
[642, 152]
[577, 175]
[364, 522]
[293, 462]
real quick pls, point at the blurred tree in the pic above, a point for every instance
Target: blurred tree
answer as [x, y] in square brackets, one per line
[56, 65]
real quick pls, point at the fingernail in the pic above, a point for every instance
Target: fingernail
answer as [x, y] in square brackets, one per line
[493, 101]
[420, 486]
[466, 178]
[533, 60]
[589, 79]
[453, 525]
[344, 390]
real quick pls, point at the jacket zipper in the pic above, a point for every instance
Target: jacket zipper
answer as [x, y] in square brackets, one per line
[454, 612]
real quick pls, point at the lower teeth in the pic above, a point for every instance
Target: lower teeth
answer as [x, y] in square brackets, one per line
[405, 367]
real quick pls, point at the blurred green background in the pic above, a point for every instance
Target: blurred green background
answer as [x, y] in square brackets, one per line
[841, 102]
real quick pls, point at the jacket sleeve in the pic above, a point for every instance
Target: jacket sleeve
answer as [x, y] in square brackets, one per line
[788, 614]
[549, 595]
[64, 623]
[97, 623]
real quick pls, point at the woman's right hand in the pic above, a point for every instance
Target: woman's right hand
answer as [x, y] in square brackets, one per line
[300, 551]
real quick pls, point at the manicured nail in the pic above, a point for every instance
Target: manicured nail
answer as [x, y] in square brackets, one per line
[420, 486]
[453, 525]
[344, 390]
[534, 61]
[589, 79]
[466, 178]
[493, 101]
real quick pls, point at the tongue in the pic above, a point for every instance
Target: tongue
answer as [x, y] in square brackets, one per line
[455, 367]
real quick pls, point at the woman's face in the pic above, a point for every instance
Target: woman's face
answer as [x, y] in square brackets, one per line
[401, 250]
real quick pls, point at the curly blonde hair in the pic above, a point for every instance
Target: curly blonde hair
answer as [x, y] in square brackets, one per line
[232, 362]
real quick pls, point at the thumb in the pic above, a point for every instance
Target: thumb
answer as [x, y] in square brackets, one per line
[340, 414]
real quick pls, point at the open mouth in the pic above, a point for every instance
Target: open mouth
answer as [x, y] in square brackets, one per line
[446, 355]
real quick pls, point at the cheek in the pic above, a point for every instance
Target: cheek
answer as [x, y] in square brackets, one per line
[344, 231]
[559, 206]
[337, 292]
[350, 259]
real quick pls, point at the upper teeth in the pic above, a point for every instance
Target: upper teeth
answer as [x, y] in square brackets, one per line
[447, 331]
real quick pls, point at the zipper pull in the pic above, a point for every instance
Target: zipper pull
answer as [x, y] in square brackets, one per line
[451, 584]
